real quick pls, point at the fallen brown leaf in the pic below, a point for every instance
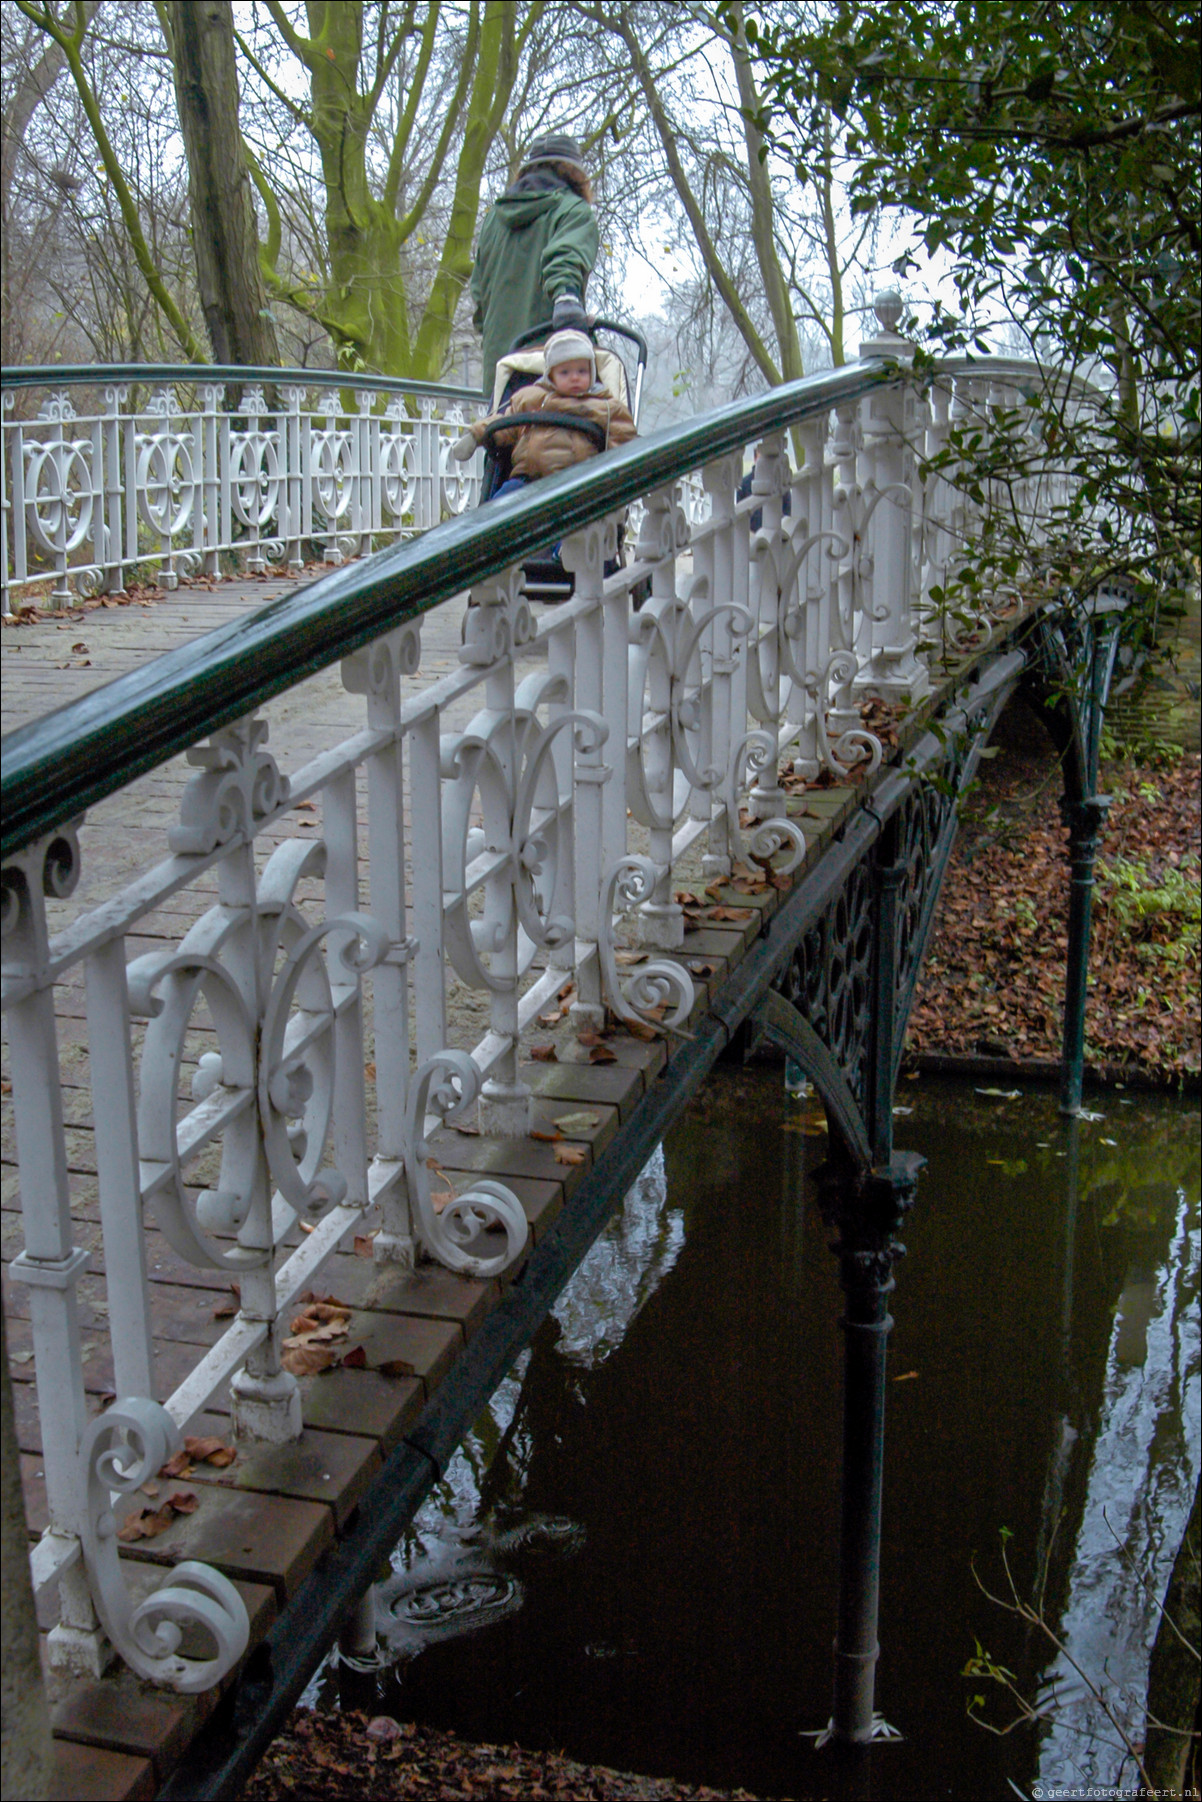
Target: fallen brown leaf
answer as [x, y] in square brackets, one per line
[546, 1138]
[601, 1054]
[355, 1359]
[210, 1450]
[577, 1123]
[307, 1360]
[396, 1367]
[570, 1154]
[323, 1308]
[543, 1054]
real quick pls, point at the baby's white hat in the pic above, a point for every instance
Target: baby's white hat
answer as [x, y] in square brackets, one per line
[568, 347]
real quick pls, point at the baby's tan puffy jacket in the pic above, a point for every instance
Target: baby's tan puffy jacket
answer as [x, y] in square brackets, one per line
[541, 450]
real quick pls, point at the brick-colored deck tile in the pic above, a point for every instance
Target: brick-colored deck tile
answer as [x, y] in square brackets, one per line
[260, 1538]
[593, 1124]
[614, 1085]
[430, 1347]
[722, 943]
[25, 1408]
[92, 1774]
[362, 1402]
[429, 1291]
[829, 805]
[123, 1714]
[183, 1314]
[335, 1468]
[506, 1158]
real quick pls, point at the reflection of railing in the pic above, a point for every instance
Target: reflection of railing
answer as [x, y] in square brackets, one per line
[519, 827]
[144, 468]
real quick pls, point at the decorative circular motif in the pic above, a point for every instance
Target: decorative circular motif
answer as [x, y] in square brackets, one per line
[166, 482]
[60, 494]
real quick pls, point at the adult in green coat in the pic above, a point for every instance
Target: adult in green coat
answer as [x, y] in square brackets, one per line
[537, 248]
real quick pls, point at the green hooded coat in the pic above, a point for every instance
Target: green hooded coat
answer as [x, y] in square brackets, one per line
[533, 247]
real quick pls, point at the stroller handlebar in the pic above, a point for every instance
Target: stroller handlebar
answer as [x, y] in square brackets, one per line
[559, 421]
[537, 333]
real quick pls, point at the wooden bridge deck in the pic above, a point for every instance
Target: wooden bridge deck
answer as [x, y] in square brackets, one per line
[266, 1518]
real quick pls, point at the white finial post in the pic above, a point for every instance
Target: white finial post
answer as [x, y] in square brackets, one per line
[888, 307]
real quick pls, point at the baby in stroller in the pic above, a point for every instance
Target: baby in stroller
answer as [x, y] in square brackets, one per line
[564, 416]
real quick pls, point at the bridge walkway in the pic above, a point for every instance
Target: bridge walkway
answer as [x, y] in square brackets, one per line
[267, 1518]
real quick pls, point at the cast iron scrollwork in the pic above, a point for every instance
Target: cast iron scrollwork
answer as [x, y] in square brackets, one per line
[829, 977]
[122, 1449]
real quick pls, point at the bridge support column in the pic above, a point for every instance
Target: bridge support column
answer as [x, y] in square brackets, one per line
[865, 1208]
[1084, 820]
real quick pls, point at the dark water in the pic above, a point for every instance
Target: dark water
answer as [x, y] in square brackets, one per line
[632, 1558]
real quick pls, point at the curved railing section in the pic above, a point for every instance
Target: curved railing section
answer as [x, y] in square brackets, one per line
[153, 472]
[265, 1033]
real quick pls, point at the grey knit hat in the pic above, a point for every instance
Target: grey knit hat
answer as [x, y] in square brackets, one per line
[567, 347]
[557, 147]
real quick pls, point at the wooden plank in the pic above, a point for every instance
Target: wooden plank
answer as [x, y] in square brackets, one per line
[430, 1292]
[363, 1402]
[125, 1715]
[259, 1538]
[93, 1774]
[334, 1468]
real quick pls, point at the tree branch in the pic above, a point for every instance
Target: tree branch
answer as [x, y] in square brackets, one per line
[386, 60]
[400, 148]
[302, 48]
[298, 112]
[71, 44]
[715, 267]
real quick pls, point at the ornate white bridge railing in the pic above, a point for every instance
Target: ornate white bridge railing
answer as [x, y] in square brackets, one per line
[108, 474]
[509, 826]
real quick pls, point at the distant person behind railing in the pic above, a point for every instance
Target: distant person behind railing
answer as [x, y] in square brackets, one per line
[744, 489]
[537, 248]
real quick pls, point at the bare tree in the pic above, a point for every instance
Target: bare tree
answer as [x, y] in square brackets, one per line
[225, 231]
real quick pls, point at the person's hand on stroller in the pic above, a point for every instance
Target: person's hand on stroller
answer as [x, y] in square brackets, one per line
[568, 315]
[465, 446]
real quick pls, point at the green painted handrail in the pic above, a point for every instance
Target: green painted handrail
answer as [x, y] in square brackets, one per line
[55, 767]
[92, 375]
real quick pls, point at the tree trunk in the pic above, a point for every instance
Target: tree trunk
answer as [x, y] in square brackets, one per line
[225, 233]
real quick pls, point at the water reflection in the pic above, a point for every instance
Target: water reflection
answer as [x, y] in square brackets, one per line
[621, 1272]
[631, 1555]
[1143, 1468]
[459, 1567]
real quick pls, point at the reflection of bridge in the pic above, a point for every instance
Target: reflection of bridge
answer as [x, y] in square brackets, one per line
[312, 1010]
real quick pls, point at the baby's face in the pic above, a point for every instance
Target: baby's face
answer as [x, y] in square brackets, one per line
[573, 377]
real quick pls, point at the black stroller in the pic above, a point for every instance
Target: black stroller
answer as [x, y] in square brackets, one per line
[545, 578]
